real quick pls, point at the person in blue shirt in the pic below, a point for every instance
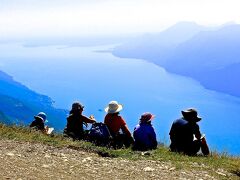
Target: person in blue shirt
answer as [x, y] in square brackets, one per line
[185, 134]
[144, 134]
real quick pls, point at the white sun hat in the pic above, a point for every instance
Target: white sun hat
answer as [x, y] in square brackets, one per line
[113, 107]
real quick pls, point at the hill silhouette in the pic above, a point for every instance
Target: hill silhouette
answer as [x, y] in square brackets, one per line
[191, 50]
[18, 104]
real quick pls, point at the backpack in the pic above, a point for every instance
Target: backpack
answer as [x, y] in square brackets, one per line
[99, 134]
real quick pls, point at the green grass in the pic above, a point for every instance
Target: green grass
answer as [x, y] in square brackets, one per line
[211, 163]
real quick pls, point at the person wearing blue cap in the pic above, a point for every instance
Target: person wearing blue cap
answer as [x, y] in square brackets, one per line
[39, 122]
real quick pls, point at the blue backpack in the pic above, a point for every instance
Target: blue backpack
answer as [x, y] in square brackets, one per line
[99, 134]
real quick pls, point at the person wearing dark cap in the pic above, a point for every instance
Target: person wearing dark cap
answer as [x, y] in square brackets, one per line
[75, 121]
[144, 134]
[185, 134]
[38, 122]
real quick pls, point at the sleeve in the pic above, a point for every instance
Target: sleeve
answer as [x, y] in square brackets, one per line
[87, 120]
[105, 120]
[172, 130]
[125, 128]
[197, 132]
[32, 124]
[123, 123]
[41, 126]
[153, 137]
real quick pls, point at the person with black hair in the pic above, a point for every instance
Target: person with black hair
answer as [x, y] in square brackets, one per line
[75, 121]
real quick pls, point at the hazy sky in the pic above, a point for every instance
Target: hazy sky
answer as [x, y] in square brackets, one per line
[31, 18]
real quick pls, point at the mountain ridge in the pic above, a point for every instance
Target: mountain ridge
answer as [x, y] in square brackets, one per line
[202, 56]
[19, 104]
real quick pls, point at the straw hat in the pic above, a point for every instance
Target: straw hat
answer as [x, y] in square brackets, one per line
[113, 107]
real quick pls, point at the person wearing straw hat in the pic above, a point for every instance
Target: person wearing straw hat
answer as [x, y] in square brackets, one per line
[75, 121]
[115, 123]
[184, 130]
[144, 134]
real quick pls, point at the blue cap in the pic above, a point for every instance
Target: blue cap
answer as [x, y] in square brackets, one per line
[43, 116]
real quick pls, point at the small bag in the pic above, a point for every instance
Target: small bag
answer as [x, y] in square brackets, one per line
[99, 134]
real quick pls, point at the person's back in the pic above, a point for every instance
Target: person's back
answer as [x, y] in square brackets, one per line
[75, 124]
[181, 134]
[115, 123]
[144, 134]
[38, 122]
[184, 130]
[75, 121]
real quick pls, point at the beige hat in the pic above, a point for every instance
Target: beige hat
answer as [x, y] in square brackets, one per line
[113, 107]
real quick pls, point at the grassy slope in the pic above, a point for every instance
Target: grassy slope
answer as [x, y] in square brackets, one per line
[212, 164]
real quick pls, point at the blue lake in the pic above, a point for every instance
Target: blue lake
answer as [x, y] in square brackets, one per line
[95, 78]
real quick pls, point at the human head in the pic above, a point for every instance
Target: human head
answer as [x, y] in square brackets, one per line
[146, 117]
[42, 116]
[76, 106]
[191, 115]
[113, 107]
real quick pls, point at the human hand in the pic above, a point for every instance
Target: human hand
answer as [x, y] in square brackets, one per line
[92, 117]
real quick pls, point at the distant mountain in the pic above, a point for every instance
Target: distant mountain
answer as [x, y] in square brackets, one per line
[223, 79]
[157, 47]
[18, 104]
[209, 56]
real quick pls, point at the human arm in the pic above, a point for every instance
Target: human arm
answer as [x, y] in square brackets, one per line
[203, 143]
[88, 120]
[172, 132]
[126, 130]
[197, 132]
[152, 137]
[32, 124]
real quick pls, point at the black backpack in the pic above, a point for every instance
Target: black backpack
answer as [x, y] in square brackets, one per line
[99, 134]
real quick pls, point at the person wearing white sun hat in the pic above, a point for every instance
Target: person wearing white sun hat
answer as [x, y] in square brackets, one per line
[115, 123]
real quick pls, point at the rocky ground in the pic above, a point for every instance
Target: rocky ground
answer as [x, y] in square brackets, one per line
[22, 160]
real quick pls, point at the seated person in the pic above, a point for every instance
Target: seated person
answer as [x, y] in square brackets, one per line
[144, 134]
[75, 121]
[39, 121]
[182, 134]
[115, 123]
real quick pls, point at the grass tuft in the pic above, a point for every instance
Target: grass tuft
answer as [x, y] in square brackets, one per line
[212, 163]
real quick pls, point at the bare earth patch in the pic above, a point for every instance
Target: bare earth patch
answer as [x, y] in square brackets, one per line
[23, 160]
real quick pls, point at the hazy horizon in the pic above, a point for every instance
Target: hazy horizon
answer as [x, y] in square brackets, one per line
[37, 19]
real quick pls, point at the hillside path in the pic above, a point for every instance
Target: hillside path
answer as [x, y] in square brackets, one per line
[23, 160]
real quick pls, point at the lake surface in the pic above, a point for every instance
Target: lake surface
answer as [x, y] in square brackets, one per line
[95, 78]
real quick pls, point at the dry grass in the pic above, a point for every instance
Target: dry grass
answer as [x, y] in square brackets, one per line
[216, 164]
